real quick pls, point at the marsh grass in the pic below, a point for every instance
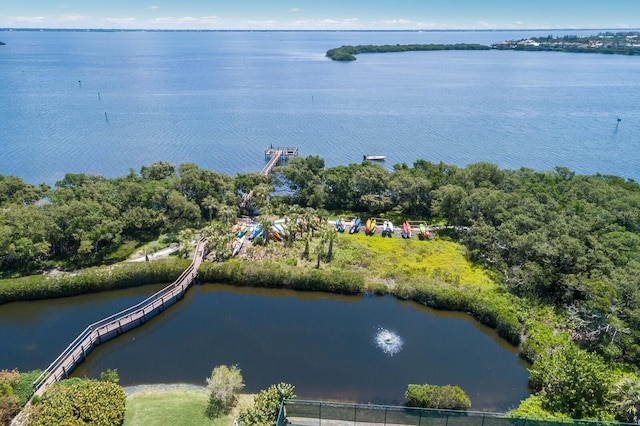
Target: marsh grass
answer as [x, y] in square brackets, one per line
[411, 260]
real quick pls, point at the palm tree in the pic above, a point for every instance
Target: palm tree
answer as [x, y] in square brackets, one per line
[227, 214]
[307, 240]
[627, 398]
[218, 238]
[210, 204]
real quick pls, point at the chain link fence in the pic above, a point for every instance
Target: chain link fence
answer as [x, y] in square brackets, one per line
[315, 413]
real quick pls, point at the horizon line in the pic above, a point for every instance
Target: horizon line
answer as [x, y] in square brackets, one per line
[97, 29]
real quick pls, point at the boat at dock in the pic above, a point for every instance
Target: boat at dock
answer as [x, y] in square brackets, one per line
[375, 157]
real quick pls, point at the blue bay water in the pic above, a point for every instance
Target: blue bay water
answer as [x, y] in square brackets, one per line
[107, 102]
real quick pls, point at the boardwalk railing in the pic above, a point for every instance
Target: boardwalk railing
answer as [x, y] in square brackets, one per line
[118, 323]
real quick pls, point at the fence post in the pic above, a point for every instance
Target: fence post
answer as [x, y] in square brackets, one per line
[320, 414]
[483, 416]
[385, 416]
[420, 418]
[355, 414]
[447, 421]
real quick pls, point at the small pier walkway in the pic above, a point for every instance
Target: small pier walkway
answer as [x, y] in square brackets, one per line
[274, 156]
[121, 322]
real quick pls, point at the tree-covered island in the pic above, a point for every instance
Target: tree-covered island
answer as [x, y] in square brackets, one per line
[347, 53]
[620, 43]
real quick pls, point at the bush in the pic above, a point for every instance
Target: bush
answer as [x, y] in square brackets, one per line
[224, 385]
[8, 400]
[432, 396]
[8, 405]
[532, 408]
[81, 401]
[275, 275]
[111, 375]
[24, 388]
[266, 406]
[572, 381]
[92, 280]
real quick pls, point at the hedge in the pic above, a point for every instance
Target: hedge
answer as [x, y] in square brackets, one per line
[92, 280]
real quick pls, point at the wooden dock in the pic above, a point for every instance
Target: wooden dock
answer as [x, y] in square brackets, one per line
[275, 156]
[119, 323]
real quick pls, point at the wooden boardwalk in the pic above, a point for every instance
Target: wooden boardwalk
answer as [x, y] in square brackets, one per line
[119, 323]
[275, 155]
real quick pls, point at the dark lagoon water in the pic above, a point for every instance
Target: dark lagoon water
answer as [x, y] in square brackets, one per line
[104, 103]
[326, 345]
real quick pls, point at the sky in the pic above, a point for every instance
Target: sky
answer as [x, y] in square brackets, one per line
[320, 14]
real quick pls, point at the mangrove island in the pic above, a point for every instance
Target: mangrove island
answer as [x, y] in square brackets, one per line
[620, 43]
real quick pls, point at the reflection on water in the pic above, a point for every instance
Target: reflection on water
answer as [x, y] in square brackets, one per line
[353, 348]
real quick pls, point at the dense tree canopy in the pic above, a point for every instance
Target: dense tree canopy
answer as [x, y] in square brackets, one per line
[568, 243]
[85, 219]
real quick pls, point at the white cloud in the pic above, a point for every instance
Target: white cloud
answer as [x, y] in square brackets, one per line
[404, 23]
[119, 21]
[187, 22]
[251, 23]
[518, 23]
[432, 25]
[294, 10]
[154, 7]
[72, 17]
[182, 20]
[484, 24]
[27, 19]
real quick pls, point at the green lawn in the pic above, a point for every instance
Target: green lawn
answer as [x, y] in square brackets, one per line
[174, 407]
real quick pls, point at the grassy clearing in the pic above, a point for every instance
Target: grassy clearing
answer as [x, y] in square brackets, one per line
[172, 407]
[397, 260]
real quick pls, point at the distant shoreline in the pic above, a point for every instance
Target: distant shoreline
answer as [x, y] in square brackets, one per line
[417, 30]
[619, 43]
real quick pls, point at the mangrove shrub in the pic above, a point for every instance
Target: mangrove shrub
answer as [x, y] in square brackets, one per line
[433, 396]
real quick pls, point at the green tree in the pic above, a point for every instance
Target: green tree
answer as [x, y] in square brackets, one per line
[224, 385]
[626, 397]
[572, 381]
[266, 406]
[158, 171]
[305, 177]
[340, 187]
[411, 192]
[451, 203]
[371, 187]
[80, 402]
